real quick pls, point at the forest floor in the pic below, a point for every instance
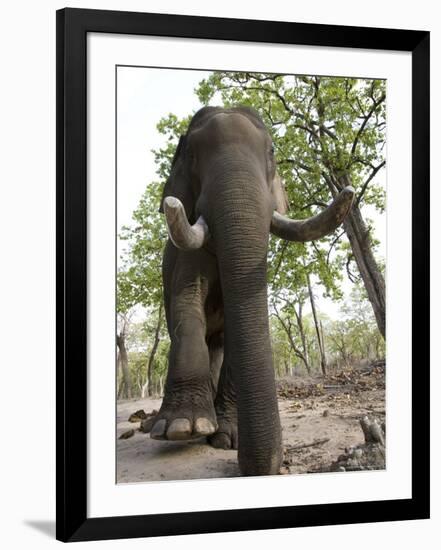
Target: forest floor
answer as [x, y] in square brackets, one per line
[320, 421]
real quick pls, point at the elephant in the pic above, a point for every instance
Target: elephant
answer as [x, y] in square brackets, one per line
[221, 200]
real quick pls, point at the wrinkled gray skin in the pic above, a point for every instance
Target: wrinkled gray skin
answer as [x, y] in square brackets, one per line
[220, 380]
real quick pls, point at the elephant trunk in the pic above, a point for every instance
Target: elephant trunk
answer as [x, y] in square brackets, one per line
[240, 230]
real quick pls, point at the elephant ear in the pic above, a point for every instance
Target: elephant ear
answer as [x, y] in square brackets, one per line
[279, 194]
[178, 183]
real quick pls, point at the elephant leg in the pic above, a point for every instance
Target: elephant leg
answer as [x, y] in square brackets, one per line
[216, 352]
[226, 412]
[187, 410]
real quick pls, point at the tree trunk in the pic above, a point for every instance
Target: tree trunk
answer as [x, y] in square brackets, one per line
[121, 389]
[321, 346]
[138, 384]
[377, 348]
[145, 390]
[373, 279]
[322, 337]
[148, 386]
[288, 329]
[120, 378]
[120, 340]
[344, 353]
[299, 319]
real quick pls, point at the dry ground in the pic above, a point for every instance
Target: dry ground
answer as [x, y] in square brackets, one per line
[313, 410]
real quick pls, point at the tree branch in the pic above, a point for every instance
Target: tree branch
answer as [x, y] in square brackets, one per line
[284, 247]
[366, 118]
[368, 180]
[334, 242]
[296, 163]
[288, 331]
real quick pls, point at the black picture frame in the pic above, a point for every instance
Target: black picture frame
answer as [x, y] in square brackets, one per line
[72, 28]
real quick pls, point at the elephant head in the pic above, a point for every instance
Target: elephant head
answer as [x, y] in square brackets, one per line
[224, 193]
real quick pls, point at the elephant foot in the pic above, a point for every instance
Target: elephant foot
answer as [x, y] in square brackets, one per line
[226, 434]
[185, 414]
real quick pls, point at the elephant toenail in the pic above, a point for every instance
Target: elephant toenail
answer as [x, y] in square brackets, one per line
[180, 428]
[158, 430]
[204, 427]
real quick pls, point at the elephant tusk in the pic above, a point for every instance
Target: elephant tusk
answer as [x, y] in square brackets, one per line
[318, 226]
[183, 235]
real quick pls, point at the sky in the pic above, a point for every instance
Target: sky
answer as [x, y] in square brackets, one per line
[144, 96]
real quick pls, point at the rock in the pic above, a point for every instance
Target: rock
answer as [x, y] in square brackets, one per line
[137, 416]
[126, 435]
[369, 456]
[377, 433]
[372, 431]
[352, 464]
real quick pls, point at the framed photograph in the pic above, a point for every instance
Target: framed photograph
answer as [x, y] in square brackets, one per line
[242, 274]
